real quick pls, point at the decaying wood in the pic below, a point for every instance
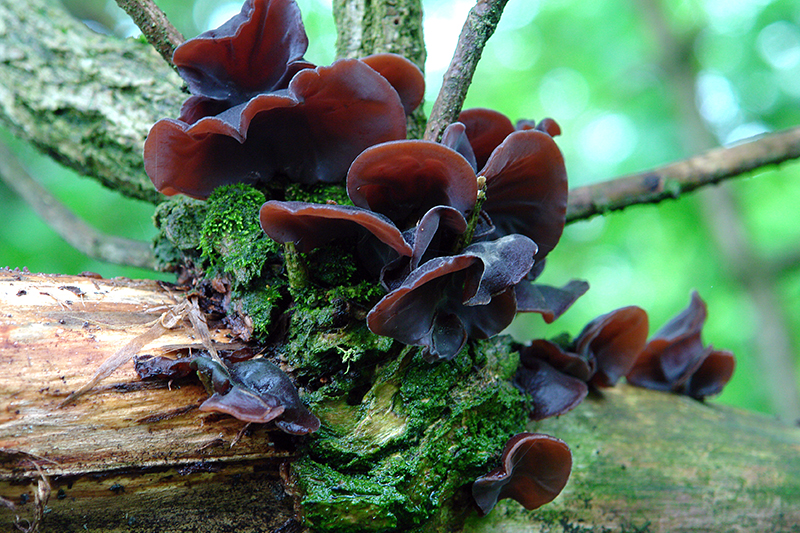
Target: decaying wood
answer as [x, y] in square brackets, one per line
[129, 454]
[136, 456]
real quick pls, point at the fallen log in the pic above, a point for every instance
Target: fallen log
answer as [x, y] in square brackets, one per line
[139, 456]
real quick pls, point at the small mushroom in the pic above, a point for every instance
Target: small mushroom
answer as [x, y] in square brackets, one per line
[256, 51]
[675, 354]
[552, 392]
[712, 376]
[312, 225]
[526, 189]
[447, 299]
[405, 77]
[404, 179]
[534, 470]
[255, 390]
[550, 302]
[486, 129]
[555, 377]
[614, 341]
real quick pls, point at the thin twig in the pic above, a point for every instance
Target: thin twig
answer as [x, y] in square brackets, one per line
[72, 229]
[479, 26]
[672, 180]
[155, 26]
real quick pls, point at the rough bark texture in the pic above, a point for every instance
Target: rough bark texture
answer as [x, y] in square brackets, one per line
[372, 27]
[479, 26]
[86, 99]
[135, 457]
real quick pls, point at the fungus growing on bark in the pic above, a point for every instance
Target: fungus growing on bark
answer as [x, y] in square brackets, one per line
[259, 111]
[550, 302]
[427, 190]
[404, 179]
[556, 378]
[486, 129]
[613, 341]
[447, 299]
[676, 360]
[526, 180]
[534, 470]
[254, 391]
[526, 189]
[310, 226]
[551, 389]
[403, 75]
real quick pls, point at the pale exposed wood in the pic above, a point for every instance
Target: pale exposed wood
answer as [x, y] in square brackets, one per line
[144, 439]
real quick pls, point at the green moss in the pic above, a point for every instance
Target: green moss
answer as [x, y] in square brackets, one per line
[231, 239]
[325, 337]
[320, 193]
[222, 237]
[421, 433]
[261, 304]
[179, 221]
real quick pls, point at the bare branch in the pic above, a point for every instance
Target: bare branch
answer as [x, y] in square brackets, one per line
[155, 26]
[479, 26]
[672, 180]
[72, 229]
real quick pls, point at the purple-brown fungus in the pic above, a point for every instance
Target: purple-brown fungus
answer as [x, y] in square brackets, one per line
[255, 391]
[534, 470]
[444, 287]
[556, 378]
[448, 299]
[676, 360]
[259, 111]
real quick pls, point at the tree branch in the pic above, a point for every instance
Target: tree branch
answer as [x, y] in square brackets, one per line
[364, 28]
[87, 100]
[480, 25]
[72, 229]
[140, 456]
[155, 26]
[670, 181]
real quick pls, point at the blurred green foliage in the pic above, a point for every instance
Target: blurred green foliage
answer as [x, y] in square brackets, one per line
[615, 74]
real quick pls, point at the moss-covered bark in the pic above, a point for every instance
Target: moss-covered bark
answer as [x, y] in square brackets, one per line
[87, 100]
[402, 445]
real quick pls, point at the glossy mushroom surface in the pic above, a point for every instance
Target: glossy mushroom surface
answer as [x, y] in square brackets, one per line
[534, 470]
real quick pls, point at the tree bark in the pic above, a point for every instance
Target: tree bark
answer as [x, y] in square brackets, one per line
[87, 100]
[139, 456]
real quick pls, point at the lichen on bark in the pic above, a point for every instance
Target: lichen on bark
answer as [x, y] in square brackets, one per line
[87, 100]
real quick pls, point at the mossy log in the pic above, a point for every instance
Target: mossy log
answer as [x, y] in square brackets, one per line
[135, 456]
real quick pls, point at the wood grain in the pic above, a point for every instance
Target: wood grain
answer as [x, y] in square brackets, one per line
[128, 448]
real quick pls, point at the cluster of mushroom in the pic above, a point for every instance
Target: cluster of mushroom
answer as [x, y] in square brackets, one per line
[455, 231]
[614, 345]
[258, 111]
[454, 244]
[535, 467]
